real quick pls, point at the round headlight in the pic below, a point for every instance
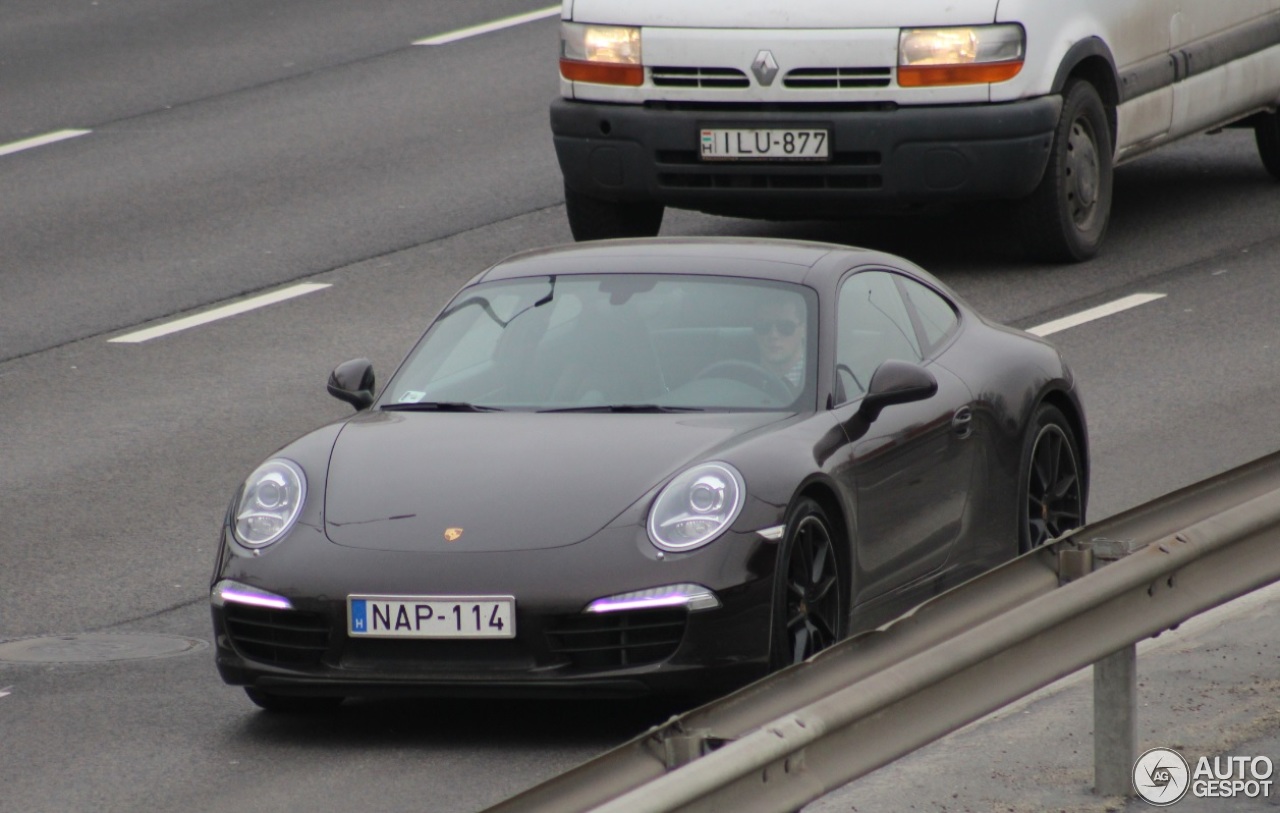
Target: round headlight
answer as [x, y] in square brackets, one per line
[696, 506]
[270, 503]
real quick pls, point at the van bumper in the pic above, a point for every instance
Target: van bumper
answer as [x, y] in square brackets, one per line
[880, 158]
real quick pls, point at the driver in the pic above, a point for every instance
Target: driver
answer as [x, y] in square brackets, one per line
[780, 335]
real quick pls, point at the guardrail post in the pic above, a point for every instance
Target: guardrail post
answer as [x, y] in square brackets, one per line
[1115, 722]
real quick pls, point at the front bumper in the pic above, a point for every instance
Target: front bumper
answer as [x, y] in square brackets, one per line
[880, 158]
[304, 648]
[534, 664]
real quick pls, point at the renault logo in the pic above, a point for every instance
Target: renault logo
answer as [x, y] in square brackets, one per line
[765, 67]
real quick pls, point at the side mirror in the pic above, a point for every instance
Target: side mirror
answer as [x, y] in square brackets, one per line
[896, 382]
[352, 381]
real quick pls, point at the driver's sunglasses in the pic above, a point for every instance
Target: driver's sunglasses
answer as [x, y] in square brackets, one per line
[783, 327]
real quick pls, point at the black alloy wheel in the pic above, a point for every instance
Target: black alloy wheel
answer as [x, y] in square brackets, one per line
[1066, 217]
[809, 601]
[1052, 485]
[598, 219]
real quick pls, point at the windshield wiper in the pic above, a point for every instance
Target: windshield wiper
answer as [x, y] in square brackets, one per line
[438, 406]
[654, 408]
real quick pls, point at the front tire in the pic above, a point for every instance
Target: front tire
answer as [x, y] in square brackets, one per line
[598, 219]
[1066, 217]
[810, 604]
[1267, 133]
[1052, 499]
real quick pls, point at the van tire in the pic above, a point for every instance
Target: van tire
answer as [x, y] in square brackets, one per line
[598, 219]
[1066, 217]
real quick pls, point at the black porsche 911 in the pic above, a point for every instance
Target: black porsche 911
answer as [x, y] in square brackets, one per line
[645, 466]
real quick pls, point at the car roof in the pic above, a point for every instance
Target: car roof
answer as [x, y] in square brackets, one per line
[762, 258]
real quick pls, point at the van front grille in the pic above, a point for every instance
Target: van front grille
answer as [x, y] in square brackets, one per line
[698, 77]
[837, 78]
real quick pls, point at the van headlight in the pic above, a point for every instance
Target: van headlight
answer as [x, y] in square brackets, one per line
[603, 54]
[964, 55]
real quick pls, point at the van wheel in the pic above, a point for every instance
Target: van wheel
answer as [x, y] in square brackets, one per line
[598, 219]
[1267, 133]
[1066, 217]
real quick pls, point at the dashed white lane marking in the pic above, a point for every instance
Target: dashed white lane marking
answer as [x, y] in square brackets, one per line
[219, 313]
[284, 294]
[1094, 313]
[496, 25]
[40, 141]
[235, 309]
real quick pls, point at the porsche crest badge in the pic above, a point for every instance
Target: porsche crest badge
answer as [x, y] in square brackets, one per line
[452, 534]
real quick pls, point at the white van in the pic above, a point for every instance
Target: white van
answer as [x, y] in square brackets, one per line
[823, 108]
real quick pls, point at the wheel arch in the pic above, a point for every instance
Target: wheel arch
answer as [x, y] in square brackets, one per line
[1091, 60]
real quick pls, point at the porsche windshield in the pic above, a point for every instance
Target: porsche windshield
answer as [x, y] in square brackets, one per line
[632, 343]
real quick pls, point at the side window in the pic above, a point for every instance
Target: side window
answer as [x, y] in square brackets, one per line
[937, 317]
[873, 326]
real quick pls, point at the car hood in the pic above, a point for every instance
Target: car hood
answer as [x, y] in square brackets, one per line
[506, 481]
[766, 14]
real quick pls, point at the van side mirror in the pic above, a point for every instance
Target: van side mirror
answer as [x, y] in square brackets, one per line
[352, 381]
[896, 382]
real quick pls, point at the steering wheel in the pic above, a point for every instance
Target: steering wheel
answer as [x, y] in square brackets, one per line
[751, 374]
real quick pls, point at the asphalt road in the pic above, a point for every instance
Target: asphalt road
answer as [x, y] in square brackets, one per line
[236, 147]
[277, 150]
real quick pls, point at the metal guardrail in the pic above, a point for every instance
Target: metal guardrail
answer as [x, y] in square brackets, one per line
[791, 738]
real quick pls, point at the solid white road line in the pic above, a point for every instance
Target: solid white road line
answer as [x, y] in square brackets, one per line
[496, 25]
[40, 141]
[1094, 313]
[219, 313]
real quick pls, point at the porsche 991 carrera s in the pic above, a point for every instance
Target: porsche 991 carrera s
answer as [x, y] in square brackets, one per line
[643, 466]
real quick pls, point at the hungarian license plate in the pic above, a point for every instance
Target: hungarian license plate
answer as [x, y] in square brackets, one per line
[765, 144]
[431, 616]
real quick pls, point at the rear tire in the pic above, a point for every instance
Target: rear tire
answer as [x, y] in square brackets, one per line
[1052, 498]
[290, 704]
[1267, 133]
[1066, 217]
[810, 601]
[598, 219]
